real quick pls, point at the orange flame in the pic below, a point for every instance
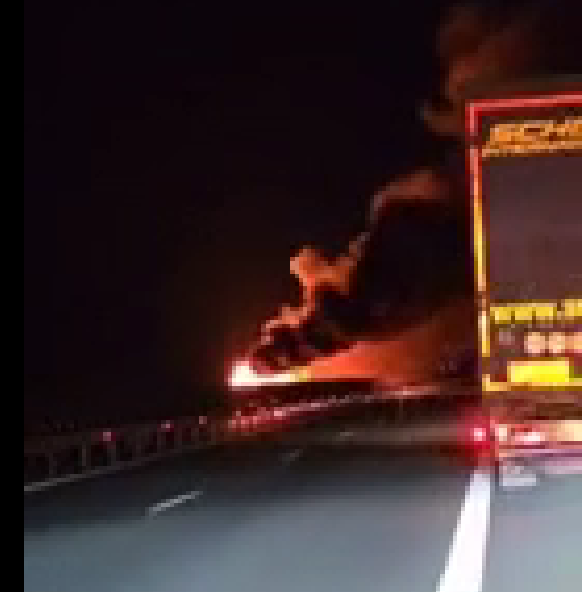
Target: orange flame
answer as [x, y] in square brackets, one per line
[243, 376]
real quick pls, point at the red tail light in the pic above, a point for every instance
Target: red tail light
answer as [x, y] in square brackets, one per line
[479, 434]
[478, 431]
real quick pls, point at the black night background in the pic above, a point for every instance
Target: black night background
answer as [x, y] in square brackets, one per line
[175, 159]
[174, 162]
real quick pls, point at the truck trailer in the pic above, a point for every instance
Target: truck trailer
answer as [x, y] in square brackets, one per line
[524, 157]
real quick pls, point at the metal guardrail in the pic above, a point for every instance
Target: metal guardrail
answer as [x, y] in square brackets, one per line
[63, 458]
[66, 457]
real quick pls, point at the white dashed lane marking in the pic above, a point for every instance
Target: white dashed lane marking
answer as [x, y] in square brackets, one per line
[174, 501]
[291, 456]
[345, 434]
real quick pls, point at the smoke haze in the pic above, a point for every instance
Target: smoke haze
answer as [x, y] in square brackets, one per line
[478, 49]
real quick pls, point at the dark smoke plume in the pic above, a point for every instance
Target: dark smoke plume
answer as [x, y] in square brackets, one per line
[401, 297]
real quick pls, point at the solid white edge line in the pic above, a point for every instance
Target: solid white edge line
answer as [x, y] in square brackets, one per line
[466, 561]
[174, 501]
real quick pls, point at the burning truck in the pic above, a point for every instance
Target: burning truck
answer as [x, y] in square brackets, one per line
[400, 307]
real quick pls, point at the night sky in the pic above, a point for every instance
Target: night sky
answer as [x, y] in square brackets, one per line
[175, 160]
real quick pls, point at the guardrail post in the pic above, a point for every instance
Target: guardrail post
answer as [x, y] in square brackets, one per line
[212, 432]
[137, 444]
[52, 465]
[85, 456]
[112, 452]
[400, 411]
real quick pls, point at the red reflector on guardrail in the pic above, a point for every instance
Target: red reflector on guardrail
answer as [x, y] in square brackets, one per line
[107, 436]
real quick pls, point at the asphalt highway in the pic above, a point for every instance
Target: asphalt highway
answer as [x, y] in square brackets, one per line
[304, 515]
